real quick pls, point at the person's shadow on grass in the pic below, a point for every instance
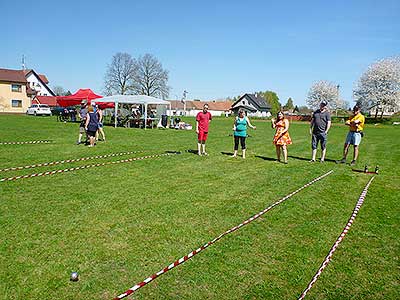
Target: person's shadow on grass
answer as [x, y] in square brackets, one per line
[265, 158]
[227, 153]
[308, 159]
[193, 151]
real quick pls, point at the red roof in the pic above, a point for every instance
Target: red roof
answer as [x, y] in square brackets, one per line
[44, 78]
[49, 100]
[12, 75]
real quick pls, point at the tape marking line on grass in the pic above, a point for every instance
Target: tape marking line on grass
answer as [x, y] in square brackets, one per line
[68, 161]
[193, 253]
[27, 142]
[339, 239]
[85, 167]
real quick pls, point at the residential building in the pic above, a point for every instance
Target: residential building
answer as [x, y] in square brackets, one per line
[191, 108]
[253, 104]
[19, 87]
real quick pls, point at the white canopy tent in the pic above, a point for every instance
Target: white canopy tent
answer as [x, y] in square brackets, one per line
[133, 99]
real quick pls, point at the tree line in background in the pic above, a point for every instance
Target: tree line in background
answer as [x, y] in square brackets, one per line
[145, 75]
[378, 86]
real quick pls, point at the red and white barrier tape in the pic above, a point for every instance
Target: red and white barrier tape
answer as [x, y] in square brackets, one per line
[84, 167]
[193, 253]
[340, 238]
[28, 142]
[68, 161]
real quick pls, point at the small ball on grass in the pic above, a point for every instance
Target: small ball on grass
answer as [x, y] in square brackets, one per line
[74, 276]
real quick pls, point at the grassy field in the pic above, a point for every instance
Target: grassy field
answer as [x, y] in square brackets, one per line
[118, 224]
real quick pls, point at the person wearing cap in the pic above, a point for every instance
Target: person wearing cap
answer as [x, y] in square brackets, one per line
[203, 119]
[319, 127]
[82, 116]
[356, 127]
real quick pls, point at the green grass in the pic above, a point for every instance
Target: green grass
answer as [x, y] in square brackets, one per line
[117, 225]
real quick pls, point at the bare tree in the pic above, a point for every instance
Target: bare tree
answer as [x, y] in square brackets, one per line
[59, 90]
[150, 78]
[120, 75]
[327, 91]
[379, 86]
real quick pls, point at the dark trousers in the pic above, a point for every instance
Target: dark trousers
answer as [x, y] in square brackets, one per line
[242, 142]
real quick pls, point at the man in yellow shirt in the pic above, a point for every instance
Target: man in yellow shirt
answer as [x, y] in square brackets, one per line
[356, 124]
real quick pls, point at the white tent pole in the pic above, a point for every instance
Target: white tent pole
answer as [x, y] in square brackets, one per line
[145, 116]
[115, 114]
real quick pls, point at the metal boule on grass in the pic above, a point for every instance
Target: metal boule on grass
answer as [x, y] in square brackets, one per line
[74, 276]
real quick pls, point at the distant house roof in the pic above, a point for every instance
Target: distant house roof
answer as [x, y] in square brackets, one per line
[12, 76]
[259, 102]
[198, 105]
[41, 76]
[49, 100]
[246, 108]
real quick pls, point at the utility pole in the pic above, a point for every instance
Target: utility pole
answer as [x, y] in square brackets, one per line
[337, 87]
[184, 102]
[23, 62]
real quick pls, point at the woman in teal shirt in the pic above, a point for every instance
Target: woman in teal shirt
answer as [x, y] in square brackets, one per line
[240, 132]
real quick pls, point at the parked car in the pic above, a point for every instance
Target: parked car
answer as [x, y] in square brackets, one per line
[39, 109]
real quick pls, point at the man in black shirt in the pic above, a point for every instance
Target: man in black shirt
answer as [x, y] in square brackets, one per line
[320, 124]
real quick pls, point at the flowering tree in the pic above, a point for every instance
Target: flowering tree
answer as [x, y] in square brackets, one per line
[327, 91]
[380, 85]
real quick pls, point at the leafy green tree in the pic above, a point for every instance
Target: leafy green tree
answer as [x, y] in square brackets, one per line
[272, 99]
[289, 104]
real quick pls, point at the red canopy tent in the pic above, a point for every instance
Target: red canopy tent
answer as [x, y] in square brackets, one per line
[82, 94]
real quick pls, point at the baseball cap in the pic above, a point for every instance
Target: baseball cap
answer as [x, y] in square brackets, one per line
[323, 103]
[84, 102]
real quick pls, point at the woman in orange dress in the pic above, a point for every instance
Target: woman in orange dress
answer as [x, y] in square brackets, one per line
[281, 137]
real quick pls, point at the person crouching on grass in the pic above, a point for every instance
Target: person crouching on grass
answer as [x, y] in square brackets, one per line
[203, 119]
[240, 132]
[281, 137]
[356, 126]
[92, 124]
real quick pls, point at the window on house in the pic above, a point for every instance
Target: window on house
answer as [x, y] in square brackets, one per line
[16, 103]
[16, 88]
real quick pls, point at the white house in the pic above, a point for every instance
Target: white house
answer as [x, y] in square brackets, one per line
[253, 104]
[37, 84]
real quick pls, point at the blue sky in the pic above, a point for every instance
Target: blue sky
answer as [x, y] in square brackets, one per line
[212, 49]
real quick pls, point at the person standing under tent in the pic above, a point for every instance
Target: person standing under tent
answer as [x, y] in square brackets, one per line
[82, 116]
[356, 126]
[91, 125]
[203, 119]
[281, 137]
[240, 132]
[320, 125]
[99, 112]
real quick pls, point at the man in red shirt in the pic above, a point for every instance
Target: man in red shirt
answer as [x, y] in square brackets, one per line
[203, 119]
